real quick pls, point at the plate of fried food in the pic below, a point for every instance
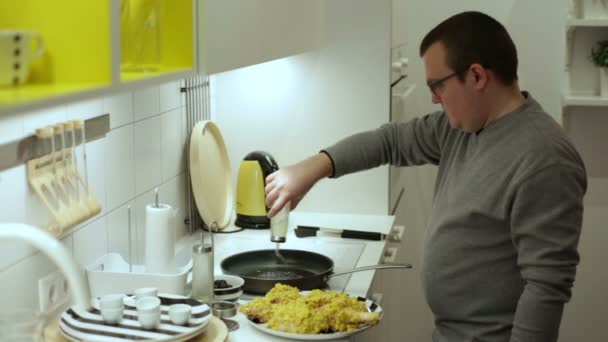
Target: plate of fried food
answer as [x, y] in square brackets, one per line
[311, 315]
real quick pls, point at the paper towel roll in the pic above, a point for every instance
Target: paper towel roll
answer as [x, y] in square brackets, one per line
[160, 239]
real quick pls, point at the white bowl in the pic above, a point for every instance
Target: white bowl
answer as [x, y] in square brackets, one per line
[180, 313]
[232, 293]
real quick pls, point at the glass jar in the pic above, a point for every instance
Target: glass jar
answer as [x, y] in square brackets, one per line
[140, 35]
[202, 272]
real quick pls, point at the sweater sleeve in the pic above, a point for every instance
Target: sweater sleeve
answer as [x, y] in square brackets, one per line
[414, 142]
[545, 227]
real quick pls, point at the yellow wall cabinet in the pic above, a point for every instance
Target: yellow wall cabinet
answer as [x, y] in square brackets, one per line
[239, 33]
[55, 52]
[52, 52]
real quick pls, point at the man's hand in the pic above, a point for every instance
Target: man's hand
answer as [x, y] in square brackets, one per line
[291, 183]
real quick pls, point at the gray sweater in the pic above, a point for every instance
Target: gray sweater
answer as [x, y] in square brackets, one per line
[501, 256]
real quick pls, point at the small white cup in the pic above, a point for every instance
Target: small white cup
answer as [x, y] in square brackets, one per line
[146, 292]
[149, 320]
[180, 313]
[111, 301]
[148, 312]
[148, 304]
[112, 315]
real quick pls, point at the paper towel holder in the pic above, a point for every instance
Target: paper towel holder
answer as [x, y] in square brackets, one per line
[156, 197]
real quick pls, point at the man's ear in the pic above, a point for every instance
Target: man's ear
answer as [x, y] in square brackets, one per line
[480, 75]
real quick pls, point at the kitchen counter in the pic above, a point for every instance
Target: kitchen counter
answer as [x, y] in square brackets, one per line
[346, 253]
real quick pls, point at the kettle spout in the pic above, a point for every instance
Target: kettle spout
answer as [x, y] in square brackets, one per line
[50, 246]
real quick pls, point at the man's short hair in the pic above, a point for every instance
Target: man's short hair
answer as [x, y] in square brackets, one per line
[475, 37]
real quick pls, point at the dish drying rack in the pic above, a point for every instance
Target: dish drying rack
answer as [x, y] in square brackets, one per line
[196, 95]
[53, 172]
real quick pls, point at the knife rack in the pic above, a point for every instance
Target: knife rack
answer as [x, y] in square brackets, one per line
[18, 152]
[197, 104]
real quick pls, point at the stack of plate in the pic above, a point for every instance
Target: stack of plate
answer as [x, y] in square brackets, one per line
[89, 326]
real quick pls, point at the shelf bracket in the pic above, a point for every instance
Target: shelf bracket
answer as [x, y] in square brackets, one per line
[570, 31]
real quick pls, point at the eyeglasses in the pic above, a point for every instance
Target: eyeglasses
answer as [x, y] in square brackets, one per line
[435, 85]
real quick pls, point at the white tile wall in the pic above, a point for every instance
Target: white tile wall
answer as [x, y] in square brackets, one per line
[91, 241]
[11, 128]
[170, 96]
[12, 209]
[84, 110]
[147, 134]
[95, 170]
[120, 108]
[119, 167]
[173, 158]
[143, 150]
[146, 102]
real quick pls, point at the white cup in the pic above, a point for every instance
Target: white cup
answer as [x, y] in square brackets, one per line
[111, 301]
[148, 312]
[149, 320]
[111, 315]
[16, 54]
[180, 313]
[146, 292]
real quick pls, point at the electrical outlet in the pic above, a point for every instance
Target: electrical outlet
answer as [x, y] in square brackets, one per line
[52, 290]
[390, 255]
[397, 233]
[376, 298]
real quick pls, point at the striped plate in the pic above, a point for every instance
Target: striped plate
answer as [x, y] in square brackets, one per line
[89, 326]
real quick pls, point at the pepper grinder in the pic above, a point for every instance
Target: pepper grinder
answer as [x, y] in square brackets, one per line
[202, 269]
[278, 225]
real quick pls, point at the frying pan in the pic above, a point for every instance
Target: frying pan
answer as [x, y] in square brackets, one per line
[262, 269]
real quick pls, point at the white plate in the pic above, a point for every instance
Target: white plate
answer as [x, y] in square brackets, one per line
[371, 306]
[90, 326]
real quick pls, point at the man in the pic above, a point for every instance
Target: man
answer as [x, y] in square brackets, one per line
[502, 252]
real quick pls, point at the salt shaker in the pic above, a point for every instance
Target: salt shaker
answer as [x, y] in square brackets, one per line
[202, 271]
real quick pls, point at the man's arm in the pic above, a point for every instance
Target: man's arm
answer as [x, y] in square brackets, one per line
[400, 143]
[415, 142]
[291, 183]
[546, 223]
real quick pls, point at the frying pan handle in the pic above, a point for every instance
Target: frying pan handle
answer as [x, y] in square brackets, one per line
[369, 268]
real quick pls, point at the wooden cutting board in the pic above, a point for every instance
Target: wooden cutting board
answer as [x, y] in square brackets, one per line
[216, 332]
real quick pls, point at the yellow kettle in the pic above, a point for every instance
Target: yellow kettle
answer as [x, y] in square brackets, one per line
[251, 207]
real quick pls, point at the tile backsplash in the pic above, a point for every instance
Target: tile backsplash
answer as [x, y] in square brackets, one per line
[143, 150]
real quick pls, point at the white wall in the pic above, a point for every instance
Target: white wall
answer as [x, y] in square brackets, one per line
[537, 27]
[296, 106]
[142, 151]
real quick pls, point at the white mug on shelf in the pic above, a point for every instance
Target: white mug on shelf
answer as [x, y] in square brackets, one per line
[16, 54]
